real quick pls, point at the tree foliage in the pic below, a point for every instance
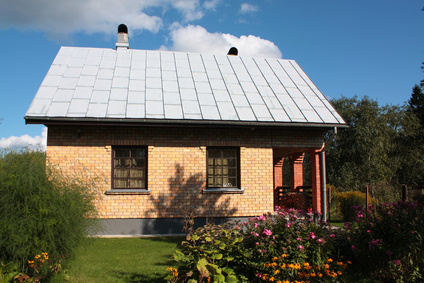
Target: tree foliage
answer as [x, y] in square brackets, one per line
[383, 145]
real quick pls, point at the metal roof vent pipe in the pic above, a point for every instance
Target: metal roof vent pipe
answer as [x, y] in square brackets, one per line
[122, 37]
[233, 51]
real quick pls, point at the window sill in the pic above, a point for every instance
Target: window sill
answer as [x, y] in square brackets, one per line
[223, 191]
[127, 192]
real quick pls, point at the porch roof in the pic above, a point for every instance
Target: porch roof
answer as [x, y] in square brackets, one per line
[99, 85]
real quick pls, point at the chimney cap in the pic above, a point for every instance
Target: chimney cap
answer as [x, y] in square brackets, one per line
[233, 51]
[122, 28]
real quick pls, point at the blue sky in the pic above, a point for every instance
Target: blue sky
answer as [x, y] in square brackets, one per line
[348, 48]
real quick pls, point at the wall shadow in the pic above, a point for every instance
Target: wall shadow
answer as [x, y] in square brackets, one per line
[185, 198]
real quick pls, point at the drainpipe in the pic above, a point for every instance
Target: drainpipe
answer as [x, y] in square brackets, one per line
[324, 185]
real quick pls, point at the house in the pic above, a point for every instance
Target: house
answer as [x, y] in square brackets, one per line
[171, 134]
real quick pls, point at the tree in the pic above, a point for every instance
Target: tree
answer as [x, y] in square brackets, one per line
[416, 103]
[360, 154]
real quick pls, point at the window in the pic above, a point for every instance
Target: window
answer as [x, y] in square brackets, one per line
[223, 170]
[129, 168]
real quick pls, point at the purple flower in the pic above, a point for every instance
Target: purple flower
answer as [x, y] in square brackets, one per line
[389, 253]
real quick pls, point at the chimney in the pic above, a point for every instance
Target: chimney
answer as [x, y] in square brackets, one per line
[122, 42]
[233, 51]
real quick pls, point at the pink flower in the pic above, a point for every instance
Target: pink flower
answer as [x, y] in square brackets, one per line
[300, 247]
[256, 234]
[332, 236]
[299, 239]
[319, 240]
[267, 232]
[256, 225]
[353, 247]
[397, 262]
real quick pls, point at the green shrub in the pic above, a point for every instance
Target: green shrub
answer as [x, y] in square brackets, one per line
[211, 253]
[284, 245]
[41, 211]
[347, 200]
[387, 242]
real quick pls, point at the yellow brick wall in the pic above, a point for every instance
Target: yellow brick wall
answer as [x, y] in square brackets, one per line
[176, 167]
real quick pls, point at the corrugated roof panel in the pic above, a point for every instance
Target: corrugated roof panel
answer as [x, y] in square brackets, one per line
[63, 95]
[227, 110]
[74, 72]
[78, 107]
[136, 97]
[100, 96]
[102, 83]
[154, 109]
[82, 92]
[58, 109]
[39, 107]
[171, 98]
[135, 111]
[173, 112]
[117, 109]
[118, 94]
[239, 101]
[188, 94]
[170, 86]
[261, 112]
[154, 94]
[191, 109]
[245, 114]
[87, 81]
[210, 112]
[97, 110]
[52, 80]
[137, 85]
[221, 95]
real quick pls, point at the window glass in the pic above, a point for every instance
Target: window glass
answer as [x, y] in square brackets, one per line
[129, 168]
[223, 168]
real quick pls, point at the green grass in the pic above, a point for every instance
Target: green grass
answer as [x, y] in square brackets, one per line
[122, 260]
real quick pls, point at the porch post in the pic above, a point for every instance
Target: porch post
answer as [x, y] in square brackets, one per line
[278, 178]
[296, 166]
[316, 179]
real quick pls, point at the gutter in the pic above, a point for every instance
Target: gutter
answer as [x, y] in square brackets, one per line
[324, 181]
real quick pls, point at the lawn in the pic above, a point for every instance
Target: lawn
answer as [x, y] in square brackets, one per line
[121, 260]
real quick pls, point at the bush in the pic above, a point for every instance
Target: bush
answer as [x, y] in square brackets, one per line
[284, 245]
[41, 212]
[387, 242]
[347, 200]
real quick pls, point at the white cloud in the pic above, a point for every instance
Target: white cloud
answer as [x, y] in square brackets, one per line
[248, 8]
[61, 18]
[25, 141]
[211, 4]
[197, 39]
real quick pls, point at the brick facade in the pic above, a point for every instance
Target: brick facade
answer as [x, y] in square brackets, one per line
[177, 167]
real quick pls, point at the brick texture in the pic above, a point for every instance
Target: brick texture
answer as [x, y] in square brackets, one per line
[176, 167]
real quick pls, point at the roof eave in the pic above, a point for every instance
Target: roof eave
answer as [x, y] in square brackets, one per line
[174, 122]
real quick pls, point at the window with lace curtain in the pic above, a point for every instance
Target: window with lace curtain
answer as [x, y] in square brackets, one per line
[129, 168]
[223, 170]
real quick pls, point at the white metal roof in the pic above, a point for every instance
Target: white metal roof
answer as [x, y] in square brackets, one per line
[140, 85]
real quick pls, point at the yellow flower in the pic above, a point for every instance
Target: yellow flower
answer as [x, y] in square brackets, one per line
[329, 260]
[276, 271]
[326, 266]
[30, 262]
[339, 273]
[319, 274]
[305, 264]
[283, 266]
[274, 258]
[271, 279]
[37, 256]
[283, 255]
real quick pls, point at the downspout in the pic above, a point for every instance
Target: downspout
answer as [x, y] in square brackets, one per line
[324, 185]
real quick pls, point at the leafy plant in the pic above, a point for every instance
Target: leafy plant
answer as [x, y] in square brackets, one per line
[387, 241]
[41, 210]
[210, 254]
